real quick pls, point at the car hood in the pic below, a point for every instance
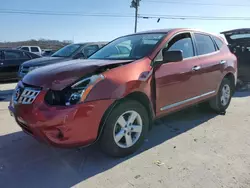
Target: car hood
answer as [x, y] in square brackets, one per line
[44, 61]
[60, 75]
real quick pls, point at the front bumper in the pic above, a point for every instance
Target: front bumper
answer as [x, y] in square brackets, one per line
[72, 126]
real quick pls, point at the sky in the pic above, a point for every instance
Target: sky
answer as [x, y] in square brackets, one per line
[18, 27]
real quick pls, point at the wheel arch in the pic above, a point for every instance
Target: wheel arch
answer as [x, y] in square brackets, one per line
[144, 100]
[230, 76]
[137, 96]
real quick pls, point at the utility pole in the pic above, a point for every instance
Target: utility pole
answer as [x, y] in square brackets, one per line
[135, 4]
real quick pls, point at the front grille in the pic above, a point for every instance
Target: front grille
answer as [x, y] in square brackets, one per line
[28, 95]
[25, 95]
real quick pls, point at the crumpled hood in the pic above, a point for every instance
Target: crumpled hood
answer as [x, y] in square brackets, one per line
[58, 76]
[44, 61]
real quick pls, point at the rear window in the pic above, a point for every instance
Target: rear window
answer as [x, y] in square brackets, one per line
[25, 48]
[240, 36]
[205, 45]
[218, 42]
[34, 49]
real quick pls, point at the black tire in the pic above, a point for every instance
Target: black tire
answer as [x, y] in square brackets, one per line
[107, 141]
[216, 103]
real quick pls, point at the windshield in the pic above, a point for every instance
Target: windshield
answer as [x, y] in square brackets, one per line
[67, 51]
[129, 47]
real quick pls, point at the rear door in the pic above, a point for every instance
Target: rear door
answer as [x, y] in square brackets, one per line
[12, 60]
[212, 62]
[177, 83]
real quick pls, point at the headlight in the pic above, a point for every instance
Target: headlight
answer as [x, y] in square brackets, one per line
[32, 68]
[74, 94]
[80, 90]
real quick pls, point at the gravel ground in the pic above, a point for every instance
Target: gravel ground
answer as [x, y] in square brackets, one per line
[188, 149]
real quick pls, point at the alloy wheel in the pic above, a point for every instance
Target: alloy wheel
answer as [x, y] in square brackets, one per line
[225, 95]
[128, 129]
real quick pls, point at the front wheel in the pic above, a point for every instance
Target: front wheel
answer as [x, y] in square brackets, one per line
[222, 100]
[125, 129]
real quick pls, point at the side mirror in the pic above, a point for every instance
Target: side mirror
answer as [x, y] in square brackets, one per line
[171, 56]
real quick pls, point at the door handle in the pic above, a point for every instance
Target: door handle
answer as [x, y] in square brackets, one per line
[222, 62]
[196, 68]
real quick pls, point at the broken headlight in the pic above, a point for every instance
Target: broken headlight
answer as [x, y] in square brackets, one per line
[79, 91]
[74, 94]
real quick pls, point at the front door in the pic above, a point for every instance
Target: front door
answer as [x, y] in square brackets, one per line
[177, 83]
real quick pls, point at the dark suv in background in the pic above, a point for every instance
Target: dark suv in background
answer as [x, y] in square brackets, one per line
[69, 52]
[10, 60]
[239, 44]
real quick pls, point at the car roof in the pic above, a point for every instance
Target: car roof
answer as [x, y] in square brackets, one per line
[237, 31]
[165, 31]
[87, 43]
[14, 49]
[28, 46]
[10, 49]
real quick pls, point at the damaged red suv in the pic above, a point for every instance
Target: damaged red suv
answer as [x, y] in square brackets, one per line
[114, 96]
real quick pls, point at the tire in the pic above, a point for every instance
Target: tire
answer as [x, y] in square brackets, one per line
[120, 147]
[217, 103]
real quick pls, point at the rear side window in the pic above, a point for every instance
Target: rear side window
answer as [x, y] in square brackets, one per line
[204, 43]
[32, 55]
[14, 55]
[25, 55]
[25, 48]
[34, 49]
[218, 42]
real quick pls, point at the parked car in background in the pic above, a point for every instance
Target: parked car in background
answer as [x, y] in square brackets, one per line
[10, 60]
[114, 96]
[48, 52]
[239, 44]
[69, 52]
[34, 49]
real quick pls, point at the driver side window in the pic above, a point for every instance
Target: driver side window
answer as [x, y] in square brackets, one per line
[181, 42]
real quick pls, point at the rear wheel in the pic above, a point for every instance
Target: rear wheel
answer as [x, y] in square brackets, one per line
[222, 100]
[125, 129]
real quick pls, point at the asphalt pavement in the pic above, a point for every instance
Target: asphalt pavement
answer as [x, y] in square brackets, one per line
[189, 149]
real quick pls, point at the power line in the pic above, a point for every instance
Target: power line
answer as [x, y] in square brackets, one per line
[144, 16]
[180, 17]
[198, 3]
[50, 13]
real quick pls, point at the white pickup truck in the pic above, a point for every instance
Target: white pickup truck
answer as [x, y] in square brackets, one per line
[34, 49]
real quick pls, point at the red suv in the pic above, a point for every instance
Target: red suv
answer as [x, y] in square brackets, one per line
[114, 96]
